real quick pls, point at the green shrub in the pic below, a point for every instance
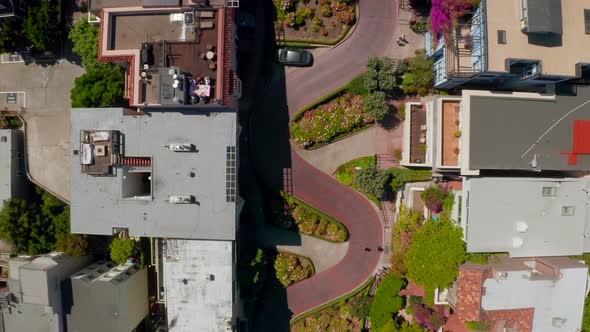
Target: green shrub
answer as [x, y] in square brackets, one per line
[401, 111]
[377, 106]
[401, 176]
[386, 303]
[100, 86]
[371, 181]
[434, 197]
[477, 258]
[122, 249]
[315, 28]
[435, 253]
[10, 30]
[483, 325]
[420, 76]
[72, 244]
[291, 268]
[408, 220]
[586, 317]
[326, 11]
[317, 21]
[361, 306]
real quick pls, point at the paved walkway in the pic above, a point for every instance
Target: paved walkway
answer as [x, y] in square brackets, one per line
[329, 157]
[45, 93]
[322, 253]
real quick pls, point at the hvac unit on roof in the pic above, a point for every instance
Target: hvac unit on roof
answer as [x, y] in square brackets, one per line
[502, 275]
[181, 199]
[522, 227]
[180, 147]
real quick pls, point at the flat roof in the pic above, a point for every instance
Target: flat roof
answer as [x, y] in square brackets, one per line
[199, 284]
[518, 131]
[495, 211]
[561, 298]
[97, 203]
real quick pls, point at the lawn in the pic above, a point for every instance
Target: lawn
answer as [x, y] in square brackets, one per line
[291, 268]
[317, 22]
[345, 172]
[297, 215]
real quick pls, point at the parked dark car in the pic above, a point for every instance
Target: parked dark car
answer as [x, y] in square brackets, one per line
[295, 57]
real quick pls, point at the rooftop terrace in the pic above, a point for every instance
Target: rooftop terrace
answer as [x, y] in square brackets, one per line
[418, 134]
[450, 132]
[152, 40]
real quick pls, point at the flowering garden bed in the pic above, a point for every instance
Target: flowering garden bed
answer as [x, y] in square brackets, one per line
[297, 215]
[343, 314]
[291, 268]
[314, 21]
[330, 121]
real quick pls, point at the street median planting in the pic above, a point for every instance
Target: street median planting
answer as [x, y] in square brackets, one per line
[336, 115]
[291, 268]
[299, 216]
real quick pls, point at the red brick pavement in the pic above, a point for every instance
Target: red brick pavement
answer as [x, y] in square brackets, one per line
[333, 69]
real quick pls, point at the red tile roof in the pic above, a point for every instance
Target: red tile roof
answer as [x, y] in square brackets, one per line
[468, 308]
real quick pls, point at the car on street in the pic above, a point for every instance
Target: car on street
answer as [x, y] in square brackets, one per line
[295, 57]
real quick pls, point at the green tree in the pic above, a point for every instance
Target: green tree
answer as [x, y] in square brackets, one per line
[73, 244]
[380, 75]
[371, 181]
[101, 86]
[41, 25]
[377, 106]
[121, 249]
[9, 34]
[420, 75]
[387, 303]
[393, 326]
[435, 253]
[85, 38]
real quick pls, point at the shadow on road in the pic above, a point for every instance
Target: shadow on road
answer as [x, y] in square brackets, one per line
[265, 158]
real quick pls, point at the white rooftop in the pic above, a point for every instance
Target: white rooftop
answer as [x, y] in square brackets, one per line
[562, 299]
[199, 285]
[527, 217]
[97, 202]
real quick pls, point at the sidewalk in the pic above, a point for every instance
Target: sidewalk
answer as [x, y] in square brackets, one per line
[322, 253]
[329, 157]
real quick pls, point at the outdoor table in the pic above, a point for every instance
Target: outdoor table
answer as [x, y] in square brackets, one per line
[203, 90]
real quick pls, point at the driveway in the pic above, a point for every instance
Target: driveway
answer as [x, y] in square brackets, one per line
[279, 167]
[44, 92]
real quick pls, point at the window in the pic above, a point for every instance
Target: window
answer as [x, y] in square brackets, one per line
[549, 191]
[501, 36]
[525, 68]
[587, 20]
[568, 210]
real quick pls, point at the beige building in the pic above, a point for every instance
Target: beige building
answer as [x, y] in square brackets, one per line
[516, 44]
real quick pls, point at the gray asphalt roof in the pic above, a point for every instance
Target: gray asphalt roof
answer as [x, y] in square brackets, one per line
[97, 204]
[492, 208]
[503, 129]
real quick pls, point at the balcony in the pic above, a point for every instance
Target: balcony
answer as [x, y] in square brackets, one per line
[464, 56]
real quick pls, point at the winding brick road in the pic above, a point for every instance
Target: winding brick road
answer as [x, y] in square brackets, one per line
[372, 37]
